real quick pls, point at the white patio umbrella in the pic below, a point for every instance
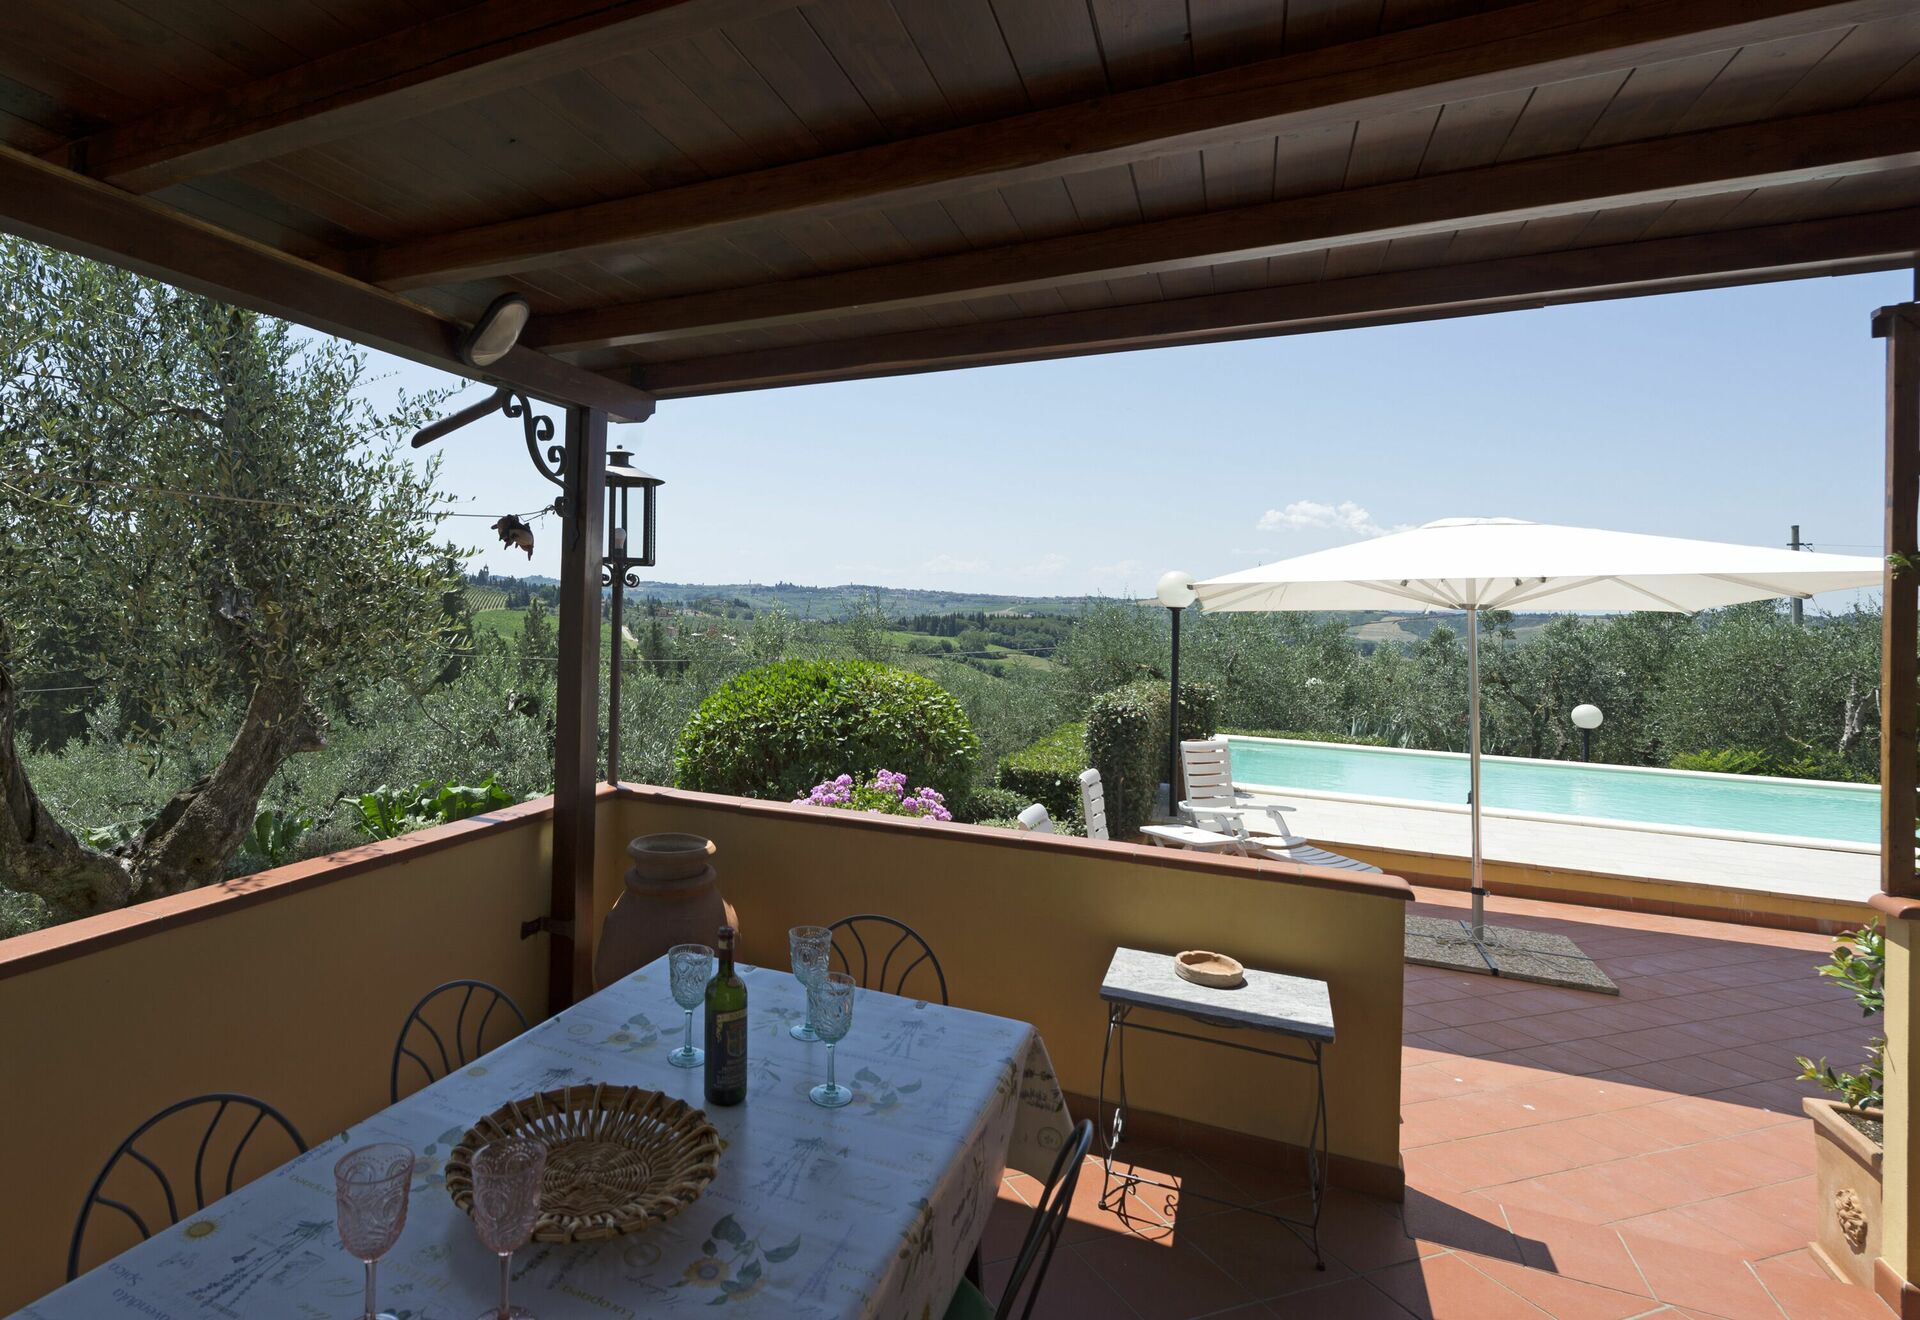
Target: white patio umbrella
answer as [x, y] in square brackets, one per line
[1476, 564]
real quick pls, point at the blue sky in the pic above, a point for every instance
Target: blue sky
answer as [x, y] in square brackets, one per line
[1726, 415]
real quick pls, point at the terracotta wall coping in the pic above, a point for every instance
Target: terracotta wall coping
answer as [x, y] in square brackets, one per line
[1893, 905]
[1178, 859]
[76, 939]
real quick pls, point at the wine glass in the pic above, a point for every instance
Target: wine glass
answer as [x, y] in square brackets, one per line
[506, 1204]
[689, 967]
[810, 947]
[370, 1197]
[830, 1009]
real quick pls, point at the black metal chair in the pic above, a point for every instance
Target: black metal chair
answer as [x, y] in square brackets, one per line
[1043, 1235]
[129, 1149]
[466, 1046]
[900, 940]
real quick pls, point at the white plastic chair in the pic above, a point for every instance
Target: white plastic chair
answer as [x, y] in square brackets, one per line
[1093, 808]
[1212, 800]
[1035, 820]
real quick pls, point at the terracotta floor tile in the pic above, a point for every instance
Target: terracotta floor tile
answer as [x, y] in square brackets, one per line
[1168, 1278]
[1073, 1290]
[1460, 1221]
[1764, 1222]
[1721, 1168]
[1681, 1225]
[1448, 1288]
[1007, 1225]
[1806, 1297]
[1363, 1233]
[1350, 1299]
[1683, 1276]
[1562, 1298]
[1800, 1261]
[1602, 1193]
[1588, 1253]
[1263, 1257]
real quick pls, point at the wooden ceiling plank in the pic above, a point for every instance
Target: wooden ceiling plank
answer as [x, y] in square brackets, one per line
[46, 204]
[1866, 57]
[1501, 51]
[1054, 46]
[1711, 163]
[435, 63]
[1880, 241]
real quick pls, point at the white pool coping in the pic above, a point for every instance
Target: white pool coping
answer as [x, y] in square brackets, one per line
[1592, 822]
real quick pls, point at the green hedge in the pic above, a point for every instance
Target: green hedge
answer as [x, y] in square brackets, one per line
[1127, 743]
[983, 804]
[776, 731]
[1351, 739]
[1747, 761]
[1047, 771]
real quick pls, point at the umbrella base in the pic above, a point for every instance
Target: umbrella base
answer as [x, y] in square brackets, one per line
[1507, 951]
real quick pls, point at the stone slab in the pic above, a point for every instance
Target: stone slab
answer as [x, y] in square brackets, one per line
[1269, 1001]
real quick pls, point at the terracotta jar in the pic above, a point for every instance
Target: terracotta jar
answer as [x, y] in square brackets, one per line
[672, 898]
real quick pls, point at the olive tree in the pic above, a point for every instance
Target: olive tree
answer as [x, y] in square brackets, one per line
[204, 521]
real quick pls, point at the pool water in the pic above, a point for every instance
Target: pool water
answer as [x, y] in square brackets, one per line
[1744, 804]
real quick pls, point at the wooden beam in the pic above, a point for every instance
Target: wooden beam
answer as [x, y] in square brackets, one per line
[576, 737]
[1876, 241]
[433, 64]
[50, 205]
[1900, 607]
[1504, 50]
[1826, 146]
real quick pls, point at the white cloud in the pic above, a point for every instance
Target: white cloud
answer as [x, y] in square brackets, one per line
[1125, 570]
[1045, 566]
[953, 564]
[1312, 516]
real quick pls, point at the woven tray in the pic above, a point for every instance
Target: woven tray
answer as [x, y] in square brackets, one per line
[619, 1158]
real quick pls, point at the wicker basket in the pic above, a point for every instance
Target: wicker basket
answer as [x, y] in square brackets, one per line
[618, 1158]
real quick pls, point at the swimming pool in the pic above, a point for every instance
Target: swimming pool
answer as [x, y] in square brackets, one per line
[1739, 804]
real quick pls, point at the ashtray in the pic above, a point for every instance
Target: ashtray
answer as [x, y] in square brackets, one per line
[1204, 967]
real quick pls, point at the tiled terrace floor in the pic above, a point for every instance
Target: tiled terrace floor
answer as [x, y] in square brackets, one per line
[1568, 1155]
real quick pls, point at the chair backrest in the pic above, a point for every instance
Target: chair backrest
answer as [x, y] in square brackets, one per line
[447, 1029]
[1093, 804]
[1208, 767]
[247, 1116]
[1049, 1220]
[1036, 820]
[882, 953]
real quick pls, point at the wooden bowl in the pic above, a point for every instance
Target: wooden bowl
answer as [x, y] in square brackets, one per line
[619, 1158]
[1204, 967]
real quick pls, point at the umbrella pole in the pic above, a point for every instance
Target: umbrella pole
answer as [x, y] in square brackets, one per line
[1473, 767]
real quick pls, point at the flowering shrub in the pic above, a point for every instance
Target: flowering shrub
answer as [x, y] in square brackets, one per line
[886, 795]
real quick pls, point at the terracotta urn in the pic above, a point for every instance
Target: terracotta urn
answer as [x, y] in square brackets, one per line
[672, 897]
[1847, 1182]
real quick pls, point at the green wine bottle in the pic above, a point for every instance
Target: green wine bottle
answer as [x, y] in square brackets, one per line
[726, 1029]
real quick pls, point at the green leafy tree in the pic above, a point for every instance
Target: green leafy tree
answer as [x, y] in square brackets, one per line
[201, 514]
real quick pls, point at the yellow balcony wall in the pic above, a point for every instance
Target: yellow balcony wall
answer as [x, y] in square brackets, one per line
[292, 984]
[1024, 926]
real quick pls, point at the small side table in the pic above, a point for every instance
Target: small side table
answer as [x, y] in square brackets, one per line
[1297, 1007]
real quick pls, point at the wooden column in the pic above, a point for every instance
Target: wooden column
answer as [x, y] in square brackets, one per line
[1894, 1269]
[1899, 642]
[577, 710]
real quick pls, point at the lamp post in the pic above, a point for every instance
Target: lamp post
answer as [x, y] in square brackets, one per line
[1175, 591]
[623, 478]
[1586, 718]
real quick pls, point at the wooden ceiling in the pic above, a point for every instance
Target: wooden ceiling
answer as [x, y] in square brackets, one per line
[714, 195]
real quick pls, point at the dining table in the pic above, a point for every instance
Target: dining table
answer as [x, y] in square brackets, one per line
[870, 1210]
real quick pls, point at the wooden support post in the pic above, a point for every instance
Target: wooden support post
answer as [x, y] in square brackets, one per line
[1895, 1268]
[1900, 613]
[576, 747]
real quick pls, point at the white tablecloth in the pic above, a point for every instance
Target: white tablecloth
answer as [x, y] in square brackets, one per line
[871, 1210]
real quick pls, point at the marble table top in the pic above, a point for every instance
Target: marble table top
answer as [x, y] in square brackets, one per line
[1269, 1001]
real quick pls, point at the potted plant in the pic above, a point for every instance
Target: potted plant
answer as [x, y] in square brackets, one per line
[1847, 1133]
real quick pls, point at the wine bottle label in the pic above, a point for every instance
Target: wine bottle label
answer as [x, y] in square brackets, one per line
[727, 1051]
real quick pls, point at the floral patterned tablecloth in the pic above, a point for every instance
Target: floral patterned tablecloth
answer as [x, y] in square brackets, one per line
[871, 1210]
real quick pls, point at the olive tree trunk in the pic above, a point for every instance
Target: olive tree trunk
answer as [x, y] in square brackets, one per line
[37, 854]
[189, 842]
